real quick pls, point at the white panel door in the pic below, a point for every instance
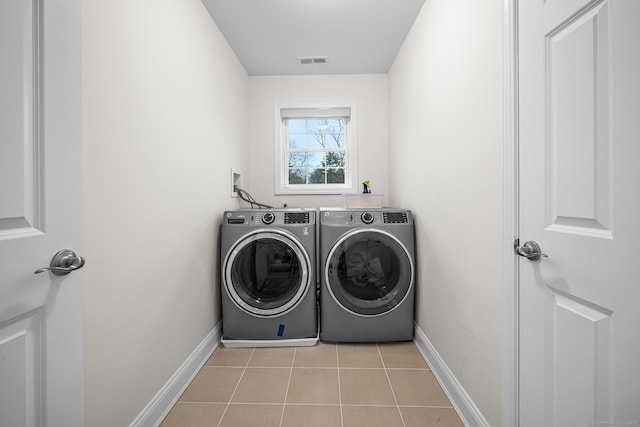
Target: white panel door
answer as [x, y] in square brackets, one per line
[579, 172]
[41, 357]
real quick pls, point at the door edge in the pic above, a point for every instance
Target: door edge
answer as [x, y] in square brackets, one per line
[510, 281]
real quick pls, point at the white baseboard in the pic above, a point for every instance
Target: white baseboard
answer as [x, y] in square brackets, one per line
[158, 408]
[464, 406]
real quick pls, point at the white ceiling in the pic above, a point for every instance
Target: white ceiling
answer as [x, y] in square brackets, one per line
[356, 36]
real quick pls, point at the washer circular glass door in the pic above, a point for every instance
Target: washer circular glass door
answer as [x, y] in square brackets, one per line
[369, 272]
[267, 273]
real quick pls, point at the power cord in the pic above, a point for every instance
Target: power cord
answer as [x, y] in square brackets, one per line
[249, 199]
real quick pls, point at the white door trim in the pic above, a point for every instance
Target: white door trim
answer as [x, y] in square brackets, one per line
[510, 285]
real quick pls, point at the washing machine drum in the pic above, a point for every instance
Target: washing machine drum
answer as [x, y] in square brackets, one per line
[267, 273]
[369, 272]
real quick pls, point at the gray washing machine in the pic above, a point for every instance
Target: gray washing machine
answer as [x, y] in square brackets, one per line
[367, 269]
[268, 277]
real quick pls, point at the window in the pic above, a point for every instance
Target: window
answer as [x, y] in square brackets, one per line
[315, 149]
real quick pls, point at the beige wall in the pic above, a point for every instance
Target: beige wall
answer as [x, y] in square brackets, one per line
[445, 164]
[165, 117]
[371, 94]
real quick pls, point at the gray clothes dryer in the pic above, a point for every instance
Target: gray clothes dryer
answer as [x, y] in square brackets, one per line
[268, 281]
[367, 269]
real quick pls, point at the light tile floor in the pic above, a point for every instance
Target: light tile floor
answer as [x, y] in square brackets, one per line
[341, 385]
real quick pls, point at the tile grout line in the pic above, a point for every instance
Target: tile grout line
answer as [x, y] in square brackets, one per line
[236, 388]
[339, 386]
[286, 393]
[390, 386]
[200, 402]
[353, 368]
[253, 403]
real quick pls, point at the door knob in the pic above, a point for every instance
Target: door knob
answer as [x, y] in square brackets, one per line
[62, 263]
[530, 250]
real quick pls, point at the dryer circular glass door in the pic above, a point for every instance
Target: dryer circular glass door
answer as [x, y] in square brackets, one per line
[369, 272]
[267, 273]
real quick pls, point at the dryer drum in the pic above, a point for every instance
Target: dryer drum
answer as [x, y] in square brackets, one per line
[369, 273]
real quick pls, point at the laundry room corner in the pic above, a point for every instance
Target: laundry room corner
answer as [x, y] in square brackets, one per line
[165, 118]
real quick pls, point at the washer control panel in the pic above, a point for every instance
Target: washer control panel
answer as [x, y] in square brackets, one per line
[275, 217]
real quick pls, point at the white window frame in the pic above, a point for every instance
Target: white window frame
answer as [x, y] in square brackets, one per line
[281, 144]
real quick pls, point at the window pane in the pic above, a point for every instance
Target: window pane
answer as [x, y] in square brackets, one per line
[316, 176]
[326, 125]
[297, 160]
[316, 160]
[317, 140]
[335, 176]
[335, 159]
[335, 140]
[297, 176]
[297, 125]
[297, 140]
[317, 125]
[335, 125]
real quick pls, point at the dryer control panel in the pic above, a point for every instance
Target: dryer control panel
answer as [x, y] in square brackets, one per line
[364, 217]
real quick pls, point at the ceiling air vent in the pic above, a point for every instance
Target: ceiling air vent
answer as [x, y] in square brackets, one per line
[304, 60]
